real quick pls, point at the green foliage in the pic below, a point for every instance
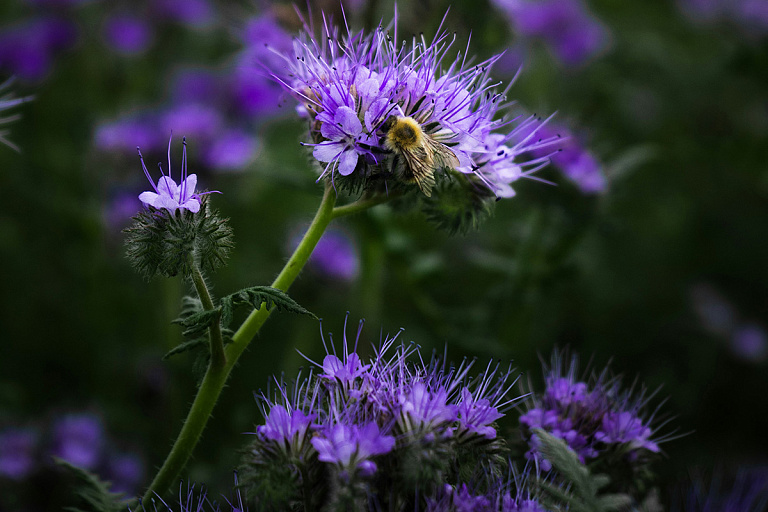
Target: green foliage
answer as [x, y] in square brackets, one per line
[582, 492]
[167, 243]
[93, 492]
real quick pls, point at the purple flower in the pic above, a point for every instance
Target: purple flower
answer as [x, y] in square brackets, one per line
[352, 446]
[17, 452]
[477, 415]
[198, 119]
[27, 49]
[348, 87]
[127, 34]
[425, 409]
[79, 439]
[750, 342]
[570, 30]
[591, 417]
[193, 13]
[126, 472]
[231, 150]
[284, 426]
[335, 256]
[127, 133]
[119, 209]
[167, 193]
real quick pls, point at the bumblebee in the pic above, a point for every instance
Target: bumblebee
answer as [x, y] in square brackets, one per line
[417, 154]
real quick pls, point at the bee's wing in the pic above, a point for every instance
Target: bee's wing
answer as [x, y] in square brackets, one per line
[442, 154]
[421, 164]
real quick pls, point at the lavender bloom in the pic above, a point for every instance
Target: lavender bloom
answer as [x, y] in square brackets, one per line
[352, 446]
[282, 426]
[167, 193]
[349, 86]
[79, 439]
[591, 417]
[573, 33]
[231, 150]
[17, 452]
[127, 35]
[335, 257]
[27, 49]
[126, 472]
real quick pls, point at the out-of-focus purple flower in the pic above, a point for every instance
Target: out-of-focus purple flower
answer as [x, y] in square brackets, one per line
[231, 151]
[193, 13]
[197, 86]
[119, 209]
[749, 341]
[746, 491]
[352, 446]
[167, 193]
[127, 133]
[125, 471]
[349, 86]
[127, 34]
[572, 32]
[336, 256]
[27, 49]
[750, 15]
[79, 439]
[200, 120]
[17, 452]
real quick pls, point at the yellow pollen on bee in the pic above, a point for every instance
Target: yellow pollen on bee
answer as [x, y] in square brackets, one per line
[406, 133]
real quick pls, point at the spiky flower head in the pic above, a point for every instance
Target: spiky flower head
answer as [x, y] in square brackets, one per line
[177, 230]
[606, 425]
[384, 115]
[393, 429]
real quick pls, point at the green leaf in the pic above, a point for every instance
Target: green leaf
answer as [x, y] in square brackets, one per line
[92, 491]
[584, 487]
[197, 323]
[187, 345]
[254, 297]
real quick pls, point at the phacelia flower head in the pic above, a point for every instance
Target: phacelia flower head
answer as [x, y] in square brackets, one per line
[607, 426]
[177, 230]
[384, 116]
[391, 426]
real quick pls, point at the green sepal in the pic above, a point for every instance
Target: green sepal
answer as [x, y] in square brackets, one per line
[459, 203]
[160, 241]
[92, 491]
[584, 487]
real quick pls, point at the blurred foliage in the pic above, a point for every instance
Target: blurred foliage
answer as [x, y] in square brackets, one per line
[677, 111]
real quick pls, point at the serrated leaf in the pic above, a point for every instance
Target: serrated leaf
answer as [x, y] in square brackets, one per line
[197, 323]
[255, 296]
[186, 346]
[92, 490]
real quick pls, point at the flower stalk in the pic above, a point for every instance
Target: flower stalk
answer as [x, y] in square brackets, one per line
[218, 358]
[219, 369]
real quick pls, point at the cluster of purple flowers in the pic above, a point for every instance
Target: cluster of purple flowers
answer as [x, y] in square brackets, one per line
[594, 418]
[349, 86]
[78, 438]
[393, 429]
[500, 499]
[566, 26]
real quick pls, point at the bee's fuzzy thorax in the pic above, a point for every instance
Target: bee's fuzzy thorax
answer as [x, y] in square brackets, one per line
[405, 133]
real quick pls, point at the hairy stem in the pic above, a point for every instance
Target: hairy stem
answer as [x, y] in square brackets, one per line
[218, 359]
[362, 204]
[216, 376]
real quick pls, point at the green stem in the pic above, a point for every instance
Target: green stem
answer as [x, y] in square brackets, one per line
[216, 376]
[362, 204]
[218, 359]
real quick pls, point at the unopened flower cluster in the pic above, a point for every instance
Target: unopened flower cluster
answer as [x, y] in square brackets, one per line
[388, 433]
[350, 86]
[603, 423]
